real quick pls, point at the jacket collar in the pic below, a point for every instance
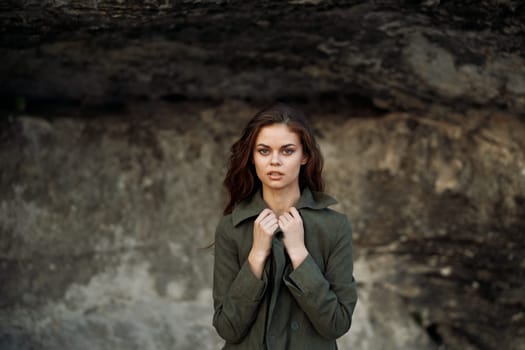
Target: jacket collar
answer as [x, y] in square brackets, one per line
[253, 206]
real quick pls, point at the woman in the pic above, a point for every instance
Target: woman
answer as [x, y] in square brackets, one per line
[283, 260]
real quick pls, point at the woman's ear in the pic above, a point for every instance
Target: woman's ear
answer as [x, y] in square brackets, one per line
[304, 160]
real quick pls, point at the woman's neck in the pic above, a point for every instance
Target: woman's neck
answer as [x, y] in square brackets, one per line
[280, 201]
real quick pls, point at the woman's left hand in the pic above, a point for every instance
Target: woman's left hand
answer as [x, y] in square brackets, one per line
[291, 224]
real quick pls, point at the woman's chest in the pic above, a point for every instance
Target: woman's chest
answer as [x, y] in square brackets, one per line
[317, 239]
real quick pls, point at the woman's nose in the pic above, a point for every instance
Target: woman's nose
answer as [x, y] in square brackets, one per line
[276, 160]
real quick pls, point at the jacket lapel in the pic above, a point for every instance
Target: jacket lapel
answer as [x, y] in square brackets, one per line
[253, 206]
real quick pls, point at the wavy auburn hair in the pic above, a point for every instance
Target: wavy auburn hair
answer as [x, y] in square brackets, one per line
[241, 180]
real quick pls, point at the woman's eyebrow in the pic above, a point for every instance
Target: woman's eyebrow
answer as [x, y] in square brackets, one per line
[283, 146]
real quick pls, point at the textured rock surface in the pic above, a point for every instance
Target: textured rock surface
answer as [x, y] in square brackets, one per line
[103, 218]
[400, 54]
[116, 121]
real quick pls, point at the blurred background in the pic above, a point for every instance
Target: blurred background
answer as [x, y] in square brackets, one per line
[116, 123]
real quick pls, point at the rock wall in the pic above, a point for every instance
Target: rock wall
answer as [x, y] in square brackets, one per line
[104, 222]
[402, 55]
[117, 117]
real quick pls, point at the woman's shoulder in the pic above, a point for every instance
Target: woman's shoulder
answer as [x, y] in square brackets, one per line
[225, 221]
[231, 226]
[327, 217]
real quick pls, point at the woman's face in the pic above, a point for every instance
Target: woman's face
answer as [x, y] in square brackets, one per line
[278, 156]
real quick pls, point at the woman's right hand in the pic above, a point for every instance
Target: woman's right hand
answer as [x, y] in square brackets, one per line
[263, 230]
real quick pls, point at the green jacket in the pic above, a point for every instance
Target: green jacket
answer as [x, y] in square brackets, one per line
[305, 308]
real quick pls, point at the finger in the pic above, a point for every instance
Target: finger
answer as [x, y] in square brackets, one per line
[263, 215]
[286, 216]
[295, 213]
[283, 221]
[268, 220]
[270, 229]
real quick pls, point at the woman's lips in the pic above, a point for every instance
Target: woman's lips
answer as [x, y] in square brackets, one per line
[275, 175]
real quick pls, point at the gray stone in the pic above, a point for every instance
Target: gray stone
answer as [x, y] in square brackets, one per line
[408, 55]
[105, 221]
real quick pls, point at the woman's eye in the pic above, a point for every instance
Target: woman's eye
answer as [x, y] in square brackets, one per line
[288, 151]
[263, 151]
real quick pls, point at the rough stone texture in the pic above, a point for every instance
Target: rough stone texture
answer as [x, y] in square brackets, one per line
[116, 121]
[399, 54]
[103, 220]
[439, 212]
[103, 223]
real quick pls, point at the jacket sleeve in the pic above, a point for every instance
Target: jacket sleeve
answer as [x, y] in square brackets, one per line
[237, 293]
[327, 299]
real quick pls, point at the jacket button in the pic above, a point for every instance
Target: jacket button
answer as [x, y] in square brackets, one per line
[295, 326]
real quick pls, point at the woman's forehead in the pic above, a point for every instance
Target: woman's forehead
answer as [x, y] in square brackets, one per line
[277, 133]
